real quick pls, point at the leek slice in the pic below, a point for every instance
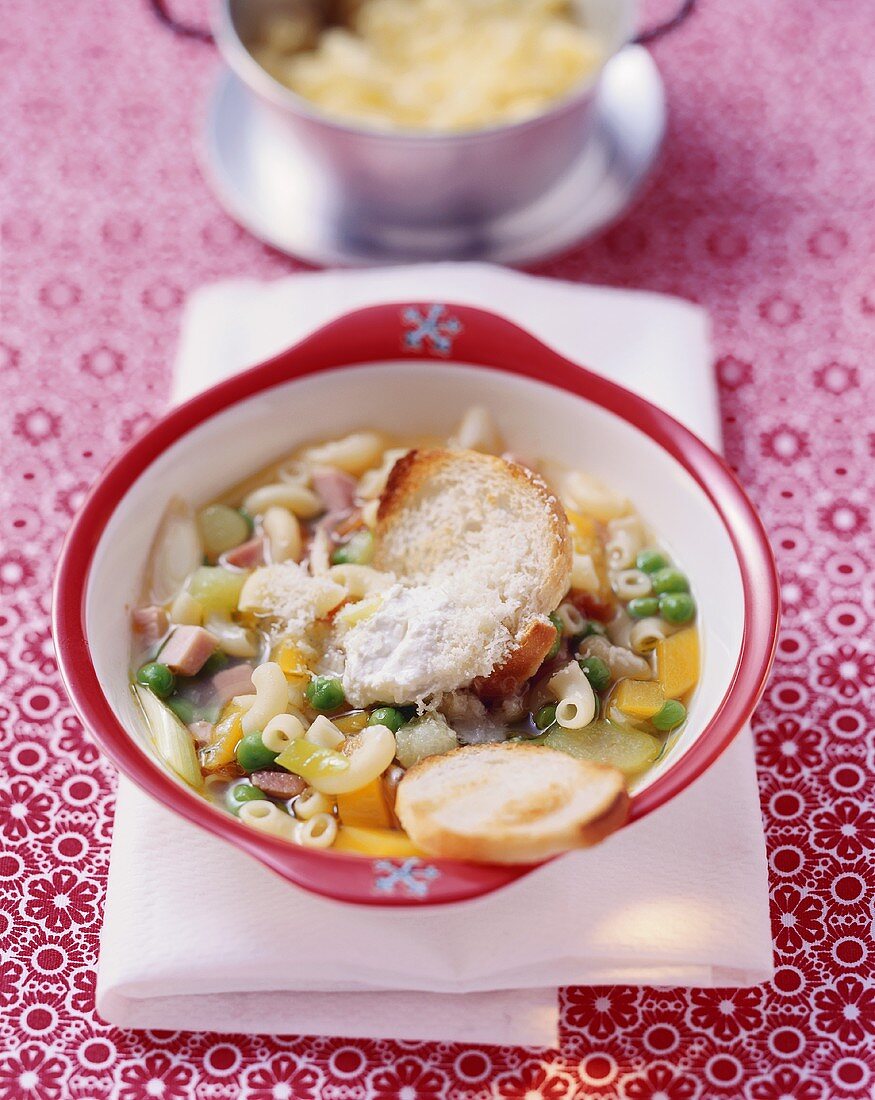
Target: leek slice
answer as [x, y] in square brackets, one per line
[175, 553]
[171, 740]
[311, 762]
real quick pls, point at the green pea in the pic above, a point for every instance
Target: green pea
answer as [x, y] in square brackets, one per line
[650, 561]
[252, 753]
[553, 651]
[325, 693]
[670, 715]
[247, 519]
[359, 550]
[643, 607]
[546, 716]
[387, 716]
[596, 671]
[184, 709]
[669, 580]
[677, 607]
[157, 678]
[590, 627]
[245, 792]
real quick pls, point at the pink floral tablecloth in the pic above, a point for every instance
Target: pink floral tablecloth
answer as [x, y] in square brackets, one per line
[764, 211]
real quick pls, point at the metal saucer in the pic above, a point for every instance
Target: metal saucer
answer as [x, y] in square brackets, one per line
[277, 190]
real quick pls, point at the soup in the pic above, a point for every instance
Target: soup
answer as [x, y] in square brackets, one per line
[310, 644]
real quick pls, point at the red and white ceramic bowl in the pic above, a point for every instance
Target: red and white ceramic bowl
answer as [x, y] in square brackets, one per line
[415, 367]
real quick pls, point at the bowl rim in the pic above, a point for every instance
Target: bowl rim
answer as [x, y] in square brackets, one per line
[363, 338]
[243, 63]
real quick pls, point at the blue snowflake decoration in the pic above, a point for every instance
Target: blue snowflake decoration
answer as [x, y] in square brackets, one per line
[430, 328]
[409, 876]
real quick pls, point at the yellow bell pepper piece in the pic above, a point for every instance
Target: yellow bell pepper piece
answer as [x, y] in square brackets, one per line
[585, 540]
[677, 662]
[348, 724]
[639, 698]
[388, 843]
[365, 807]
[227, 735]
[289, 658]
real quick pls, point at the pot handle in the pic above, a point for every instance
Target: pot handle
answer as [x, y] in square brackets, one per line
[651, 34]
[203, 34]
[185, 30]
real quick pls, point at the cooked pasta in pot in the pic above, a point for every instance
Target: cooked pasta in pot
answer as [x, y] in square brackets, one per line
[277, 666]
[434, 65]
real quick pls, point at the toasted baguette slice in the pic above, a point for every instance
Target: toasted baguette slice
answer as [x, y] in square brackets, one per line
[466, 518]
[490, 533]
[509, 803]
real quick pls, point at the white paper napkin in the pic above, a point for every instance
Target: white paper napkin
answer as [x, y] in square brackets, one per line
[199, 936]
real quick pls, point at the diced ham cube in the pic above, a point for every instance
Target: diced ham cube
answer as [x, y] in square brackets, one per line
[188, 650]
[335, 488]
[248, 555]
[230, 682]
[150, 623]
[279, 784]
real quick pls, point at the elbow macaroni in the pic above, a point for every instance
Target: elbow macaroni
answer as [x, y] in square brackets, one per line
[645, 634]
[319, 831]
[281, 731]
[353, 454]
[373, 482]
[360, 580]
[625, 539]
[267, 817]
[576, 703]
[371, 752]
[271, 697]
[283, 534]
[572, 620]
[284, 494]
[630, 584]
[233, 638]
[324, 733]
[312, 802]
[477, 431]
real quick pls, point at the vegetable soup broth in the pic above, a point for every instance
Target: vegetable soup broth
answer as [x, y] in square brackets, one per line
[247, 705]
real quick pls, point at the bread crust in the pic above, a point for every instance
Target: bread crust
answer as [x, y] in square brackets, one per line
[510, 845]
[520, 665]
